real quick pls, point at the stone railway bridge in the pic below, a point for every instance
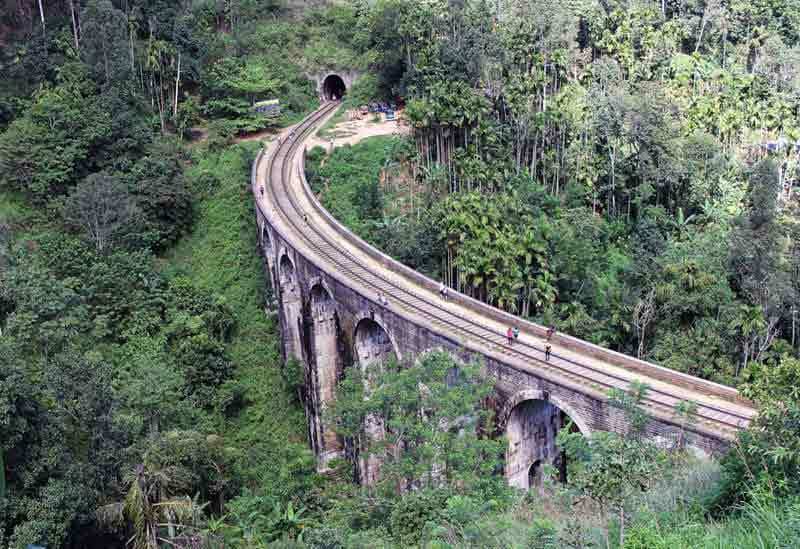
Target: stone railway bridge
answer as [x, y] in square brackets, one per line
[327, 282]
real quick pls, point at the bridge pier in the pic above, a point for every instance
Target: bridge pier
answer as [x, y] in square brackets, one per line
[291, 308]
[324, 369]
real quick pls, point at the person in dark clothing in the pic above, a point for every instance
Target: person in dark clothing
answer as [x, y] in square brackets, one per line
[550, 331]
[547, 353]
[516, 333]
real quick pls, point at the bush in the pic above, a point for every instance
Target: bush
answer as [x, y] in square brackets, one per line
[543, 535]
[363, 91]
[324, 537]
[162, 194]
[415, 513]
[766, 456]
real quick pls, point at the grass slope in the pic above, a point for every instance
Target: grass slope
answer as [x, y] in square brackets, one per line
[269, 429]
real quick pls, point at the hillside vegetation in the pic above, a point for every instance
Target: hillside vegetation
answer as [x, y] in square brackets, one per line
[625, 170]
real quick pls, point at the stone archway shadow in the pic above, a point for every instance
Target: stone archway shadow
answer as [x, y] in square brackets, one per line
[286, 269]
[530, 420]
[375, 317]
[536, 394]
[369, 329]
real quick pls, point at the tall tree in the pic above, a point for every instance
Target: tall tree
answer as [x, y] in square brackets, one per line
[759, 262]
[104, 43]
[102, 208]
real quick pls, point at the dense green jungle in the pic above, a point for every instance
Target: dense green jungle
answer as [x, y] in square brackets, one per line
[624, 170]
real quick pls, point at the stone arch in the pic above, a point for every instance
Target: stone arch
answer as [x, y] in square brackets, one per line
[372, 342]
[536, 394]
[373, 346]
[268, 257]
[320, 298]
[333, 87]
[286, 271]
[531, 420]
[535, 473]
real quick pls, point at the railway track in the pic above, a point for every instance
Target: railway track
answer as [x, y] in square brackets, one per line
[294, 212]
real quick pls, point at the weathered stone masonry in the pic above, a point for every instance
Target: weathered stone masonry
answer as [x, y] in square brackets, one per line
[328, 327]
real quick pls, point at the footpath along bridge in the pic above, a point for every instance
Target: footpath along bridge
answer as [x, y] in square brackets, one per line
[328, 283]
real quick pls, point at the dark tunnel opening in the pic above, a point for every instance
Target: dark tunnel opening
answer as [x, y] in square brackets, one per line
[333, 87]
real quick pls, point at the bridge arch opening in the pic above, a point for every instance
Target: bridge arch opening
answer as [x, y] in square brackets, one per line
[333, 87]
[531, 428]
[268, 257]
[321, 300]
[373, 348]
[291, 309]
[372, 343]
[535, 473]
[286, 270]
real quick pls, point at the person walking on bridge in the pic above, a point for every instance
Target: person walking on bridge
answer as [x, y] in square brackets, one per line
[516, 333]
[443, 291]
[550, 331]
[547, 349]
[510, 336]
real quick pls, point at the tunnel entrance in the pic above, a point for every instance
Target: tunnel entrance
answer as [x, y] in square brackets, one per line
[333, 87]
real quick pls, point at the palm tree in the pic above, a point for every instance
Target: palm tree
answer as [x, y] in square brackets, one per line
[748, 323]
[151, 513]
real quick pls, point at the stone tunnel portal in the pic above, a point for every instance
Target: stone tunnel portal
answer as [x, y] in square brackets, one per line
[531, 429]
[333, 87]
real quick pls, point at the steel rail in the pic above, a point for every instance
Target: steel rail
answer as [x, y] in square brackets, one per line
[286, 152]
[285, 175]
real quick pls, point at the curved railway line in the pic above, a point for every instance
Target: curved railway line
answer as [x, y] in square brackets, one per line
[297, 216]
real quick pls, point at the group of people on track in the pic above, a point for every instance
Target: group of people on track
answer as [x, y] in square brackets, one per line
[512, 334]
